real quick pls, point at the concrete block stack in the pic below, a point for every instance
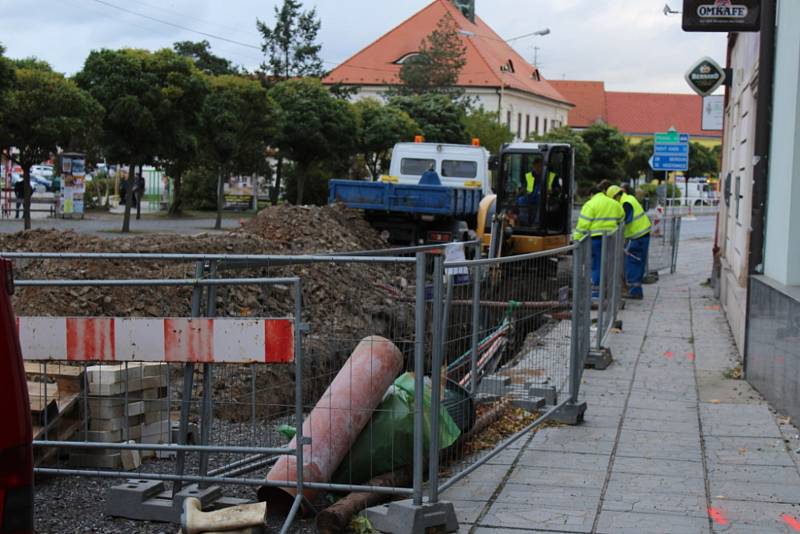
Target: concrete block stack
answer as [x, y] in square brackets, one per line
[142, 415]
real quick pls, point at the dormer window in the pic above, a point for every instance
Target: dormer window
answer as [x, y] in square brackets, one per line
[412, 56]
[507, 67]
[536, 76]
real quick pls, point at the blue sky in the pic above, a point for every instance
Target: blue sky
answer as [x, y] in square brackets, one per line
[629, 44]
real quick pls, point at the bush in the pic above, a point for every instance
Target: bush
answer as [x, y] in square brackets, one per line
[97, 192]
[199, 189]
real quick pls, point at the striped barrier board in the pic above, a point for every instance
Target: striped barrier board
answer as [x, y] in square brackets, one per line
[179, 340]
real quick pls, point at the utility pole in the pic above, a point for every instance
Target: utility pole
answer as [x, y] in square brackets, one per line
[536, 56]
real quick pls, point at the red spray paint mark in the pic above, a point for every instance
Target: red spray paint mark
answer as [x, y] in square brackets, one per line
[690, 356]
[791, 521]
[90, 339]
[668, 355]
[717, 516]
[189, 340]
[279, 346]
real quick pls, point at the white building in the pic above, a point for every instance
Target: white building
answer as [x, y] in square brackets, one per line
[495, 75]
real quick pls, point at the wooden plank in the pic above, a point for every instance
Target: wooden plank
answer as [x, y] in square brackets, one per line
[69, 378]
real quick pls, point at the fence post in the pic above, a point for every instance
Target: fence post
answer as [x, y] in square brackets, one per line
[206, 414]
[436, 377]
[572, 413]
[603, 290]
[476, 326]
[599, 357]
[419, 377]
[188, 382]
[676, 237]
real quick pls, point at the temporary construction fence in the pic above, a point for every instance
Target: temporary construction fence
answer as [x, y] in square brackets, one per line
[283, 389]
[665, 236]
[609, 294]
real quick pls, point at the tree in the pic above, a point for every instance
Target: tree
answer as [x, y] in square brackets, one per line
[638, 163]
[609, 152]
[702, 161]
[32, 63]
[238, 121]
[379, 128]
[292, 51]
[483, 125]
[147, 97]
[291, 44]
[44, 112]
[583, 153]
[440, 119]
[316, 126]
[7, 78]
[202, 57]
[437, 65]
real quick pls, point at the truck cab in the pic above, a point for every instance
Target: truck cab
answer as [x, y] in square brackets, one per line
[458, 166]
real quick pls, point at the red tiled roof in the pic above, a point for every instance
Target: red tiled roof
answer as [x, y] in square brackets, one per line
[486, 53]
[647, 113]
[589, 99]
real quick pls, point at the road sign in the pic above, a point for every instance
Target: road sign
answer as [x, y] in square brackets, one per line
[670, 152]
[705, 76]
[678, 149]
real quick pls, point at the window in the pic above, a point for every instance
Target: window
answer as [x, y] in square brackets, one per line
[519, 125]
[459, 169]
[544, 125]
[508, 120]
[413, 56]
[536, 128]
[415, 166]
[527, 125]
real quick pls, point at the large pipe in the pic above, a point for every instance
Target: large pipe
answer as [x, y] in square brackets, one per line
[338, 418]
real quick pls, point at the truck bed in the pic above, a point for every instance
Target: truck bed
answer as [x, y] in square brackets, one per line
[405, 198]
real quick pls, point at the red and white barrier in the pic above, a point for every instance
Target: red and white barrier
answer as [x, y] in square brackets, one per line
[115, 339]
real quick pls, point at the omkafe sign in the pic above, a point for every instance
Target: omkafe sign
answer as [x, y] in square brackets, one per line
[705, 76]
[721, 15]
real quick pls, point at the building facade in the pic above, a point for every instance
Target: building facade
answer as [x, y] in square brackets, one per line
[495, 75]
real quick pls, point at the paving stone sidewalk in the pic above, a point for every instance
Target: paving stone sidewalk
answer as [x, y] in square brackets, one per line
[670, 444]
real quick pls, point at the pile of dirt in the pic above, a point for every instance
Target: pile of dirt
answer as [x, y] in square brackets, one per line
[342, 303]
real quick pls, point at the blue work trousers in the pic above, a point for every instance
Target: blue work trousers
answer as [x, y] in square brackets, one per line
[635, 263]
[597, 251]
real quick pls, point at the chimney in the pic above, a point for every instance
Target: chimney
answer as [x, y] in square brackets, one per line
[467, 7]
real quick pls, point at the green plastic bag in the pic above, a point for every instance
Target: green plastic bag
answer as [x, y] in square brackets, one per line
[386, 443]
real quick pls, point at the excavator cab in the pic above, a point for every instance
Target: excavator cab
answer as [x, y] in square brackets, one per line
[531, 209]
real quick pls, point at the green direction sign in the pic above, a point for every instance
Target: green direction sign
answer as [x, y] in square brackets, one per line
[705, 76]
[668, 137]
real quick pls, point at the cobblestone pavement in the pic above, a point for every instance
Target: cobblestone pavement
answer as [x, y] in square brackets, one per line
[669, 443]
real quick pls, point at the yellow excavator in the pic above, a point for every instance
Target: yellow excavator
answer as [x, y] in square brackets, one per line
[531, 208]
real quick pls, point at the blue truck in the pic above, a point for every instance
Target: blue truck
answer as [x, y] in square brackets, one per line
[410, 213]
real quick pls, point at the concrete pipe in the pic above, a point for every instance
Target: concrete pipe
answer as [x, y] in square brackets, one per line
[338, 418]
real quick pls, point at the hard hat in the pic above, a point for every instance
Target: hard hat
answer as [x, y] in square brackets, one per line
[613, 191]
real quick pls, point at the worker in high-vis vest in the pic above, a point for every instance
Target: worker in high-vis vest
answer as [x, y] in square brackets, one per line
[600, 215]
[533, 191]
[637, 237]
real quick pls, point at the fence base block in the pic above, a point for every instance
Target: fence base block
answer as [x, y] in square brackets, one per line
[570, 414]
[598, 359]
[650, 278]
[149, 500]
[402, 517]
[548, 393]
[530, 404]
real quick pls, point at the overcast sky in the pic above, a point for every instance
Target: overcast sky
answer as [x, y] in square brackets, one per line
[629, 44]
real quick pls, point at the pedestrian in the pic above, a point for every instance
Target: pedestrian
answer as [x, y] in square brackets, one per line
[19, 194]
[430, 177]
[123, 192]
[138, 192]
[599, 216]
[637, 237]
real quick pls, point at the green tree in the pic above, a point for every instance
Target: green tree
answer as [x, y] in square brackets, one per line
[44, 112]
[238, 121]
[609, 152]
[440, 119]
[291, 44]
[379, 128]
[437, 65]
[638, 164]
[702, 161]
[583, 153]
[147, 97]
[200, 54]
[32, 63]
[7, 78]
[483, 125]
[315, 127]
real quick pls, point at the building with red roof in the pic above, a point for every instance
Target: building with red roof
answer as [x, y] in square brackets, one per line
[636, 115]
[495, 74]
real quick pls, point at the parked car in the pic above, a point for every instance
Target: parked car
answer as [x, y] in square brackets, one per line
[16, 449]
